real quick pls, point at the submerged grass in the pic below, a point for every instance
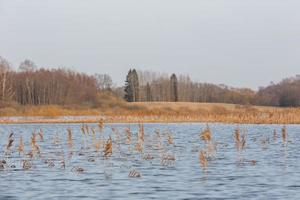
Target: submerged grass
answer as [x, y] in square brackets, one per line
[160, 148]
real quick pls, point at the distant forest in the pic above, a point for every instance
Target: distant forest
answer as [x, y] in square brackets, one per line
[32, 85]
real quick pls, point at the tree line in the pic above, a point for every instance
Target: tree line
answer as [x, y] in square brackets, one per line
[31, 85]
[153, 86]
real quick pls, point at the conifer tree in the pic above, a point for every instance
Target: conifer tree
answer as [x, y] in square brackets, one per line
[174, 88]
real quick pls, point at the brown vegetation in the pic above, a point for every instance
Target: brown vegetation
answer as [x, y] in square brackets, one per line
[155, 112]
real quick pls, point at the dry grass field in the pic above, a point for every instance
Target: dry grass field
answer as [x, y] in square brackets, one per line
[152, 112]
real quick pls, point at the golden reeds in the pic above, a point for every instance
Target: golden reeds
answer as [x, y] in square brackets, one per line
[21, 145]
[140, 139]
[206, 134]
[148, 156]
[128, 135]
[108, 148]
[202, 159]
[101, 125]
[170, 139]
[240, 139]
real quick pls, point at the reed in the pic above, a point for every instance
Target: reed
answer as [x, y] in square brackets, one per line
[284, 134]
[202, 159]
[101, 125]
[141, 134]
[239, 139]
[108, 148]
[274, 135]
[170, 139]
[77, 169]
[134, 174]
[21, 145]
[41, 134]
[10, 141]
[206, 135]
[128, 135]
[26, 164]
[69, 138]
[148, 156]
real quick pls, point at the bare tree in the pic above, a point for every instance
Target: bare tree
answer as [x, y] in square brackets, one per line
[104, 81]
[5, 80]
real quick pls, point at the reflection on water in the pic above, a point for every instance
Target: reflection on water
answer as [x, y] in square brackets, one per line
[162, 162]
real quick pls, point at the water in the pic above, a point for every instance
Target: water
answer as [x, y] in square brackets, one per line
[230, 174]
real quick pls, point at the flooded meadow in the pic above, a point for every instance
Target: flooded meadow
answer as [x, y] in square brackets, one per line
[149, 161]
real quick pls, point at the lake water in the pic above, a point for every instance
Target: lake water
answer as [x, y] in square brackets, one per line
[267, 168]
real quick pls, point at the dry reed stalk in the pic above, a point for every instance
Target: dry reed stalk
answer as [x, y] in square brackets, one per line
[21, 145]
[170, 139]
[41, 134]
[10, 141]
[128, 135]
[141, 133]
[148, 157]
[274, 135]
[77, 169]
[63, 163]
[140, 139]
[56, 139]
[26, 165]
[118, 137]
[98, 144]
[211, 149]
[34, 146]
[253, 162]
[50, 163]
[284, 134]
[101, 125]
[87, 129]
[30, 154]
[139, 147]
[167, 160]
[134, 174]
[240, 139]
[108, 147]
[69, 138]
[206, 134]
[37, 148]
[82, 128]
[33, 140]
[93, 131]
[202, 159]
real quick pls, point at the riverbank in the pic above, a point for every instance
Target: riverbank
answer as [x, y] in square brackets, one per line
[158, 112]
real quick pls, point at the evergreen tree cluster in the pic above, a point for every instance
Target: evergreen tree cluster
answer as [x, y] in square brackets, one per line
[132, 86]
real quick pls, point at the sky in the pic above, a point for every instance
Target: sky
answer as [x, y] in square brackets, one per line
[241, 43]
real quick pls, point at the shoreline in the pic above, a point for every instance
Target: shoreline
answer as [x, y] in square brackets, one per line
[134, 120]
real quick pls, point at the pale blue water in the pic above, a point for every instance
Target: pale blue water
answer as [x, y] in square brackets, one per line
[230, 175]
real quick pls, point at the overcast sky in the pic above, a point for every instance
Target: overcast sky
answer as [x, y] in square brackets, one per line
[244, 43]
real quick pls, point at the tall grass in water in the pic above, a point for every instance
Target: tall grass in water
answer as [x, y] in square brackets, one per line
[108, 148]
[21, 145]
[10, 141]
[284, 134]
[239, 139]
[202, 159]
